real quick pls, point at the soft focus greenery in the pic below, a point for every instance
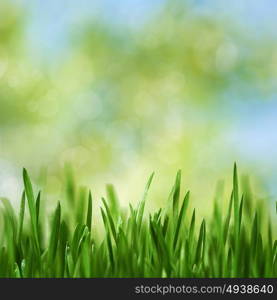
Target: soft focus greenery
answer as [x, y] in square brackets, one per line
[171, 242]
[116, 103]
[120, 102]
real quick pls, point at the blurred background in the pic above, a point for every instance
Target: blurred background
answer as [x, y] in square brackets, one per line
[119, 89]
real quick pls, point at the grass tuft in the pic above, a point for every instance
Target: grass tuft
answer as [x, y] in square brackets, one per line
[239, 241]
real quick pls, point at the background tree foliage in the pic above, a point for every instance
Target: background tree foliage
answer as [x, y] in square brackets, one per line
[124, 101]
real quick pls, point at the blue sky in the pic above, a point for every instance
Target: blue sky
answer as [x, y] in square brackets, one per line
[50, 21]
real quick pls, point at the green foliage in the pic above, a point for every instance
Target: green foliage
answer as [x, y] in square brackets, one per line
[121, 94]
[169, 243]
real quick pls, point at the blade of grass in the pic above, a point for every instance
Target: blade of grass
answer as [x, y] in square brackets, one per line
[38, 206]
[181, 218]
[142, 203]
[54, 237]
[32, 207]
[21, 218]
[176, 194]
[89, 211]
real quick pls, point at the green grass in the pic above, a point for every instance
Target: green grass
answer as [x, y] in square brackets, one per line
[239, 241]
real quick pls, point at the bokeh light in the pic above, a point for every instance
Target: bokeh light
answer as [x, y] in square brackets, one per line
[121, 90]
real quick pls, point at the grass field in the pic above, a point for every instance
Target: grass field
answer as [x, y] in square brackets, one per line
[171, 242]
